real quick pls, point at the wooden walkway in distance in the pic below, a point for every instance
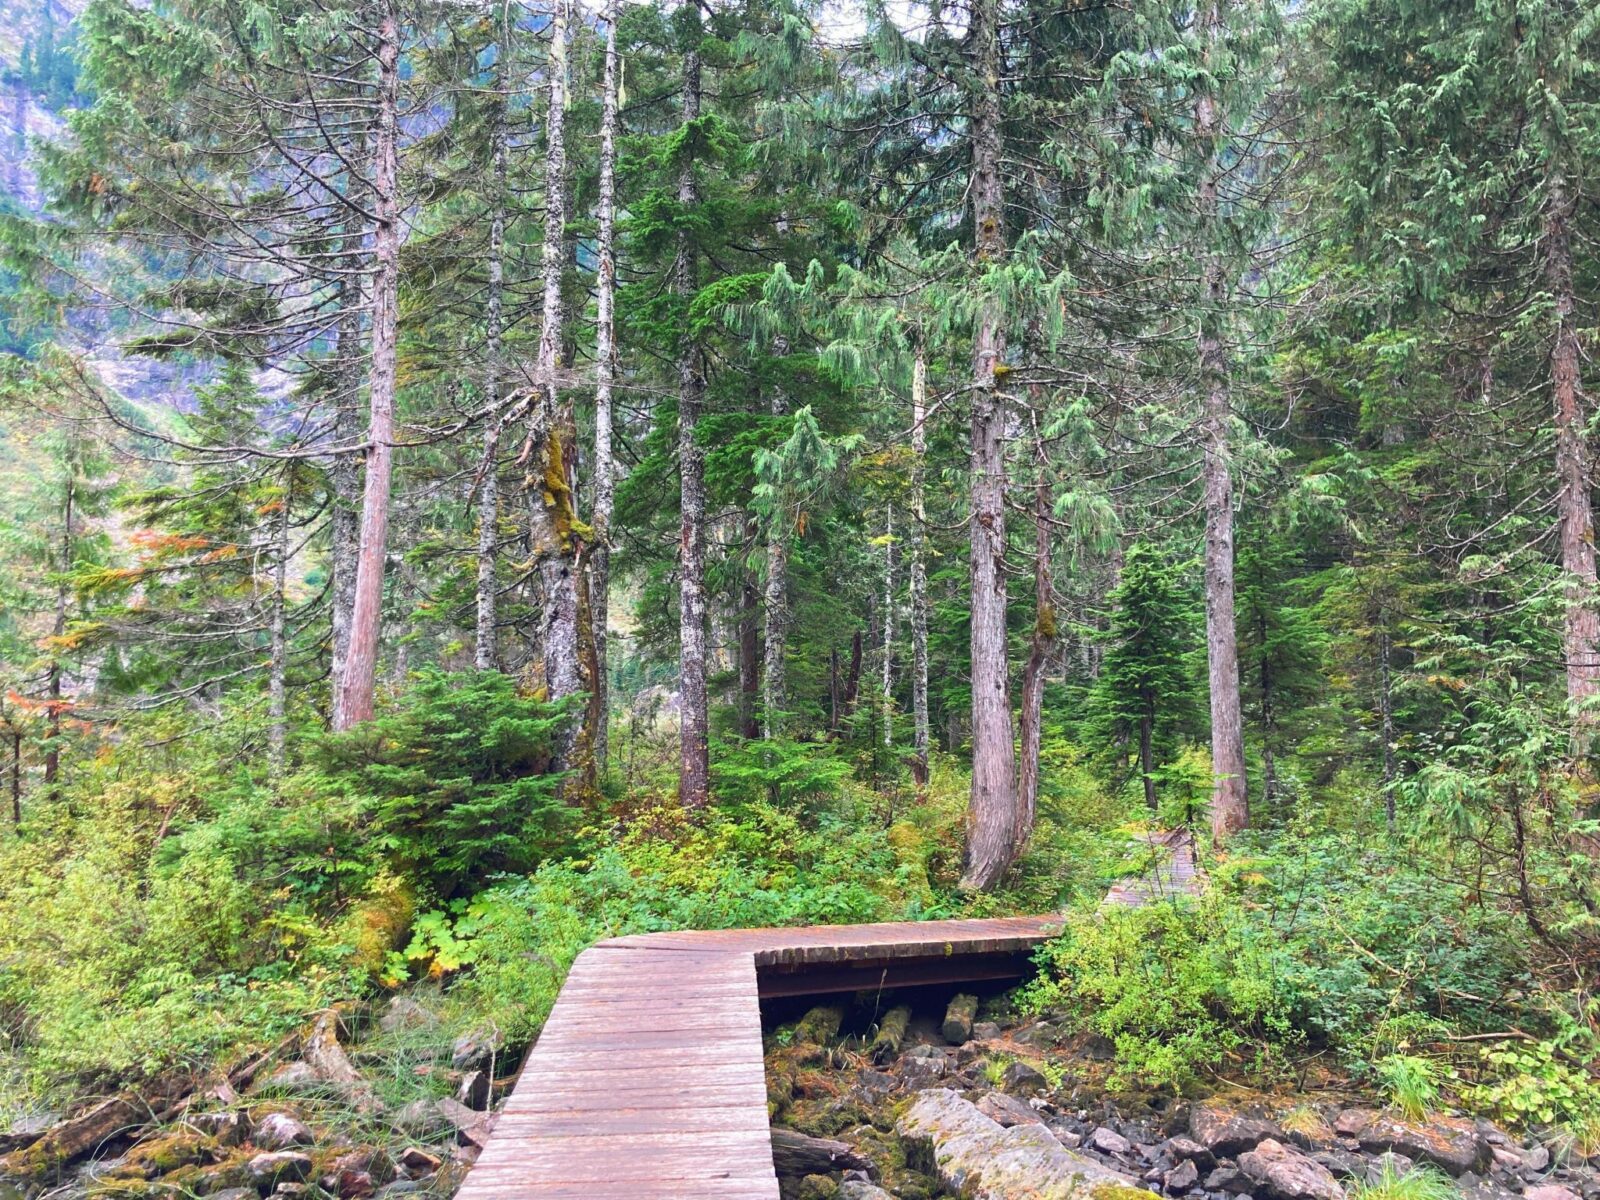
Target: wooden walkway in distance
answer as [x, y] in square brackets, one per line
[648, 1082]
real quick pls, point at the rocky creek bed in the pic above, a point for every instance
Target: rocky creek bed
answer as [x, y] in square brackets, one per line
[917, 1098]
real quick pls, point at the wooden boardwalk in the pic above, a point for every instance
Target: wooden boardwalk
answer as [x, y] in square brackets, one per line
[648, 1083]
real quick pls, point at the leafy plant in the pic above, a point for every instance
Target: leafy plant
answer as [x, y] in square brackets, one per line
[1421, 1183]
[1410, 1083]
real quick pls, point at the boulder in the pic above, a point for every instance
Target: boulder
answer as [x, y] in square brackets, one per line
[974, 1157]
[1343, 1164]
[1007, 1111]
[474, 1050]
[230, 1128]
[1108, 1141]
[1183, 1149]
[1228, 1179]
[958, 1018]
[234, 1193]
[1228, 1131]
[816, 1187]
[294, 1079]
[279, 1166]
[1023, 1079]
[856, 1189]
[405, 1015]
[1549, 1191]
[472, 1126]
[420, 1119]
[1182, 1178]
[281, 1131]
[985, 1031]
[475, 1090]
[1287, 1174]
[1448, 1142]
[419, 1162]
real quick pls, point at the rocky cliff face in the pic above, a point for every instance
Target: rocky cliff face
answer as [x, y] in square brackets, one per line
[35, 40]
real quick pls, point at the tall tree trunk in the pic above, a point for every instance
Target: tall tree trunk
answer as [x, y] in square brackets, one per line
[485, 651]
[1386, 724]
[550, 441]
[1230, 806]
[1147, 761]
[16, 777]
[776, 598]
[1269, 721]
[345, 471]
[694, 778]
[1574, 502]
[991, 815]
[749, 638]
[605, 353]
[278, 667]
[353, 694]
[52, 758]
[1039, 651]
[887, 691]
[919, 570]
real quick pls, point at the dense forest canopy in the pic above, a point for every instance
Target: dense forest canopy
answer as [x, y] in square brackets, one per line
[481, 476]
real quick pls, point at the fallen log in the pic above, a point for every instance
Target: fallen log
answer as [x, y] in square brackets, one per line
[794, 1155]
[891, 1033]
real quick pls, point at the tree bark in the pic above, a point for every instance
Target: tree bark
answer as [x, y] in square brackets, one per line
[1230, 806]
[353, 695]
[1147, 765]
[919, 570]
[1039, 651]
[485, 654]
[52, 757]
[345, 471]
[1386, 724]
[887, 689]
[749, 638]
[605, 354]
[1269, 721]
[991, 815]
[1581, 635]
[694, 753]
[16, 777]
[550, 437]
[776, 599]
[277, 683]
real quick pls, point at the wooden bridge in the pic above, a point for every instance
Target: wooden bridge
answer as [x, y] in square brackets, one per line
[647, 1082]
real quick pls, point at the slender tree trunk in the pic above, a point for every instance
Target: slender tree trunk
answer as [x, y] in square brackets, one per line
[887, 692]
[550, 444]
[345, 471]
[485, 653]
[605, 354]
[991, 816]
[52, 758]
[277, 671]
[353, 695]
[835, 704]
[1147, 763]
[1269, 722]
[1386, 724]
[919, 570]
[852, 678]
[749, 639]
[1039, 651]
[1230, 806]
[1574, 501]
[776, 598]
[694, 779]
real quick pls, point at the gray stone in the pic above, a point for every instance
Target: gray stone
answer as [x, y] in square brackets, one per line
[474, 1090]
[420, 1119]
[1023, 1079]
[1183, 1177]
[281, 1131]
[1007, 1111]
[856, 1189]
[229, 1128]
[1287, 1174]
[296, 1078]
[1342, 1163]
[474, 1050]
[1229, 1180]
[278, 1166]
[235, 1193]
[1536, 1158]
[1108, 1141]
[977, 1159]
[1228, 1131]
[1183, 1149]
[1449, 1142]
[405, 1014]
[985, 1031]
[1395, 1166]
[1549, 1191]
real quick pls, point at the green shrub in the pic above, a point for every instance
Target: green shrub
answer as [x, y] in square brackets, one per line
[1410, 1082]
[1422, 1183]
[1176, 987]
